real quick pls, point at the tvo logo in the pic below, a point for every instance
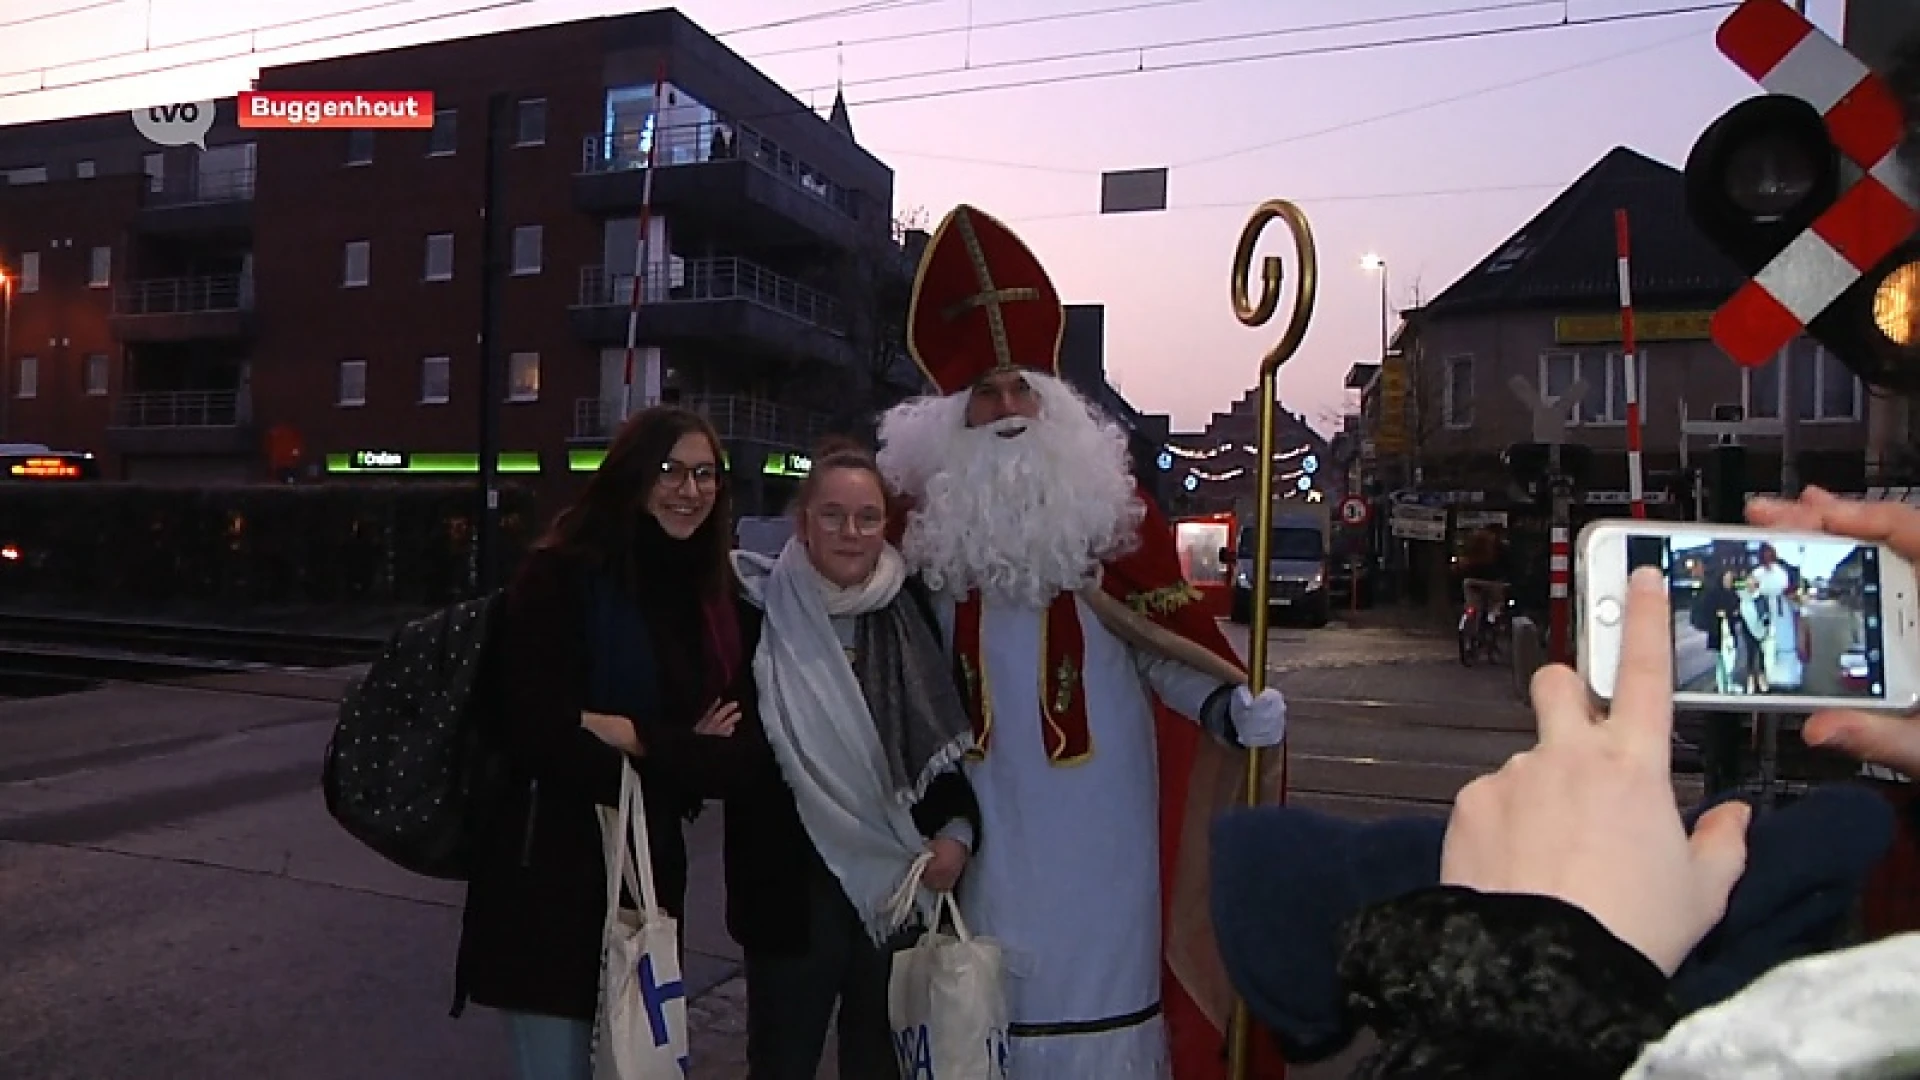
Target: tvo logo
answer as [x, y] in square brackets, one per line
[183, 123]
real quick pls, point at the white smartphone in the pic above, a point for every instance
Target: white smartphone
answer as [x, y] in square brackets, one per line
[1763, 620]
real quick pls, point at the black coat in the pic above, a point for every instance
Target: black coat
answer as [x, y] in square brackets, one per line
[536, 904]
[769, 855]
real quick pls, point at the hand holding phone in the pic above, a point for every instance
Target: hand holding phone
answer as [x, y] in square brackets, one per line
[1783, 617]
[1893, 741]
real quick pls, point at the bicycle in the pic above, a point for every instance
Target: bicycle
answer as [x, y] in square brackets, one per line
[1486, 634]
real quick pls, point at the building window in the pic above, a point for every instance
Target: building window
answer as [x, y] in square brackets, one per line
[1605, 401]
[530, 122]
[526, 248]
[30, 272]
[30, 174]
[155, 166]
[100, 267]
[1458, 392]
[523, 376]
[1824, 391]
[83, 169]
[439, 257]
[352, 388]
[95, 374]
[436, 380]
[360, 146]
[359, 263]
[1823, 388]
[29, 385]
[446, 132]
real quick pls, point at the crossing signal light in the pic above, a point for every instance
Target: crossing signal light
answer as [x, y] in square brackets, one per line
[1803, 189]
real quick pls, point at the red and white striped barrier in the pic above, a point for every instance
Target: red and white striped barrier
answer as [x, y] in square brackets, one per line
[1788, 55]
[1630, 365]
[1559, 598]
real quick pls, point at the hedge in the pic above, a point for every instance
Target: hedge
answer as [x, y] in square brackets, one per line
[235, 549]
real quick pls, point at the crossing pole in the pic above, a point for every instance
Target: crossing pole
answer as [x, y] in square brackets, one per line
[1629, 364]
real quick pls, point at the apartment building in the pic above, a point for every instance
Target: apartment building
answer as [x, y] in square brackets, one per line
[308, 303]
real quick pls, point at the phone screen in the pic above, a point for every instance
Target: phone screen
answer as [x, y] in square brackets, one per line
[1751, 618]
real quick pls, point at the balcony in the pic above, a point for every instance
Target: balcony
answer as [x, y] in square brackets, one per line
[210, 307]
[721, 177]
[214, 201]
[725, 301]
[736, 417]
[181, 422]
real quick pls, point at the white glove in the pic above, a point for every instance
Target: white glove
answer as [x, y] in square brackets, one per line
[1259, 721]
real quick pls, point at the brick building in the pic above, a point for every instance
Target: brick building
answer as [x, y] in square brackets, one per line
[321, 290]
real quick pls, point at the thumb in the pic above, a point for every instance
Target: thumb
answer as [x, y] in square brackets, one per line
[1882, 739]
[1719, 844]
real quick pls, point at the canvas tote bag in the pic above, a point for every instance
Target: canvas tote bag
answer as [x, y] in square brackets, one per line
[947, 1003]
[641, 1030]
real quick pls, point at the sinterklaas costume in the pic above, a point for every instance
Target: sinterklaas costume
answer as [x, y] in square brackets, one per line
[1096, 783]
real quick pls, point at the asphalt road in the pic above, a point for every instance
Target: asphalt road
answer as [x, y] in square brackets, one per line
[175, 902]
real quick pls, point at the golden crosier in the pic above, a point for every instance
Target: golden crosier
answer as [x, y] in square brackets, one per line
[1307, 282]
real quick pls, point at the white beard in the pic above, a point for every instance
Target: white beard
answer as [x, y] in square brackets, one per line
[1022, 519]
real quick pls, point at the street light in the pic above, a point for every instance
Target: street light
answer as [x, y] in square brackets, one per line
[1372, 262]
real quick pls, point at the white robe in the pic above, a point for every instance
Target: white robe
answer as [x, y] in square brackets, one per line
[1067, 879]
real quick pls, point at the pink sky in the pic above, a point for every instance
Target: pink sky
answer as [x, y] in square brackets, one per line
[1429, 153]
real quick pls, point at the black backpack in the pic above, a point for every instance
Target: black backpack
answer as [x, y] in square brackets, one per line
[413, 768]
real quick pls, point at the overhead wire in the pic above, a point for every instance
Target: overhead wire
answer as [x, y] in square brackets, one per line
[963, 28]
[1314, 133]
[924, 95]
[868, 7]
[61, 13]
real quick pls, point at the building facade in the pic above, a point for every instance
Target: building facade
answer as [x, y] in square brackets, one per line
[1215, 470]
[1540, 315]
[299, 304]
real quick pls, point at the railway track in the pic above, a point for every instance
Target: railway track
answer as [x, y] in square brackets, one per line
[184, 643]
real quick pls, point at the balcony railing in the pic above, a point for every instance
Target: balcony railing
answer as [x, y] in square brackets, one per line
[196, 187]
[711, 140]
[689, 281]
[733, 416]
[178, 409]
[184, 295]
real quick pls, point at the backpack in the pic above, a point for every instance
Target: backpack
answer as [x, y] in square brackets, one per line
[413, 769]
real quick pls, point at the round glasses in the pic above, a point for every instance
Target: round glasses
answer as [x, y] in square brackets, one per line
[864, 522]
[675, 474]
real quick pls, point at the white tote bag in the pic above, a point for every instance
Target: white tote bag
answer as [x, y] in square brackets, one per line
[948, 1004]
[641, 1033]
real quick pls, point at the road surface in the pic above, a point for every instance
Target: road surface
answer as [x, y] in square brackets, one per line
[175, 902]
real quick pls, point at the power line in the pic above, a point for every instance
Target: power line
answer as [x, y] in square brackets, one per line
[1283, 54]
[49, 16]
[869, 7]
[1213, 39]
[1305, 200]
[962, 28]
[1331, 129]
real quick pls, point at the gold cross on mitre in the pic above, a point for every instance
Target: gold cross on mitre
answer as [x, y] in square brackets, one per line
[989, 296]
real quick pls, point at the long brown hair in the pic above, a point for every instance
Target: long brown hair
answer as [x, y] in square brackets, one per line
[600, 528]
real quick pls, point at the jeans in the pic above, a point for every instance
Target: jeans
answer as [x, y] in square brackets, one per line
[791, 998]
[550, 1047]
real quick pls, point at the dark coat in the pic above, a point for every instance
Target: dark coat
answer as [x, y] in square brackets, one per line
[769, 855]
[536, 904]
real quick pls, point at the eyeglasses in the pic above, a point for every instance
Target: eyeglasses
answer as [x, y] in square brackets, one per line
[674, 474]
[865, 523]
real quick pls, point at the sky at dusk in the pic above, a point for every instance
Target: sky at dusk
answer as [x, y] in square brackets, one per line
[1415, 129]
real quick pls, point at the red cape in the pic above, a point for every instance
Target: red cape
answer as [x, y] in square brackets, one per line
[1199, 778]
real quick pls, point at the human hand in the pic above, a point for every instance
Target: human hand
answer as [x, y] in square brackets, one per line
[1261, 720]
[616, 731]
[1881, 738]
[720, 719]
[949, 859]
[1588, 815]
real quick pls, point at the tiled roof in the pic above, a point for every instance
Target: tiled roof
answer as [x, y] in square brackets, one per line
[1565, 257]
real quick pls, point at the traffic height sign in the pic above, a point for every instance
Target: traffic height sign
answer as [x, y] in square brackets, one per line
[1354, 511]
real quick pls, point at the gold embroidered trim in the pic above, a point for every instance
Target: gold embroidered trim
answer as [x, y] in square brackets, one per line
[1164, 601]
